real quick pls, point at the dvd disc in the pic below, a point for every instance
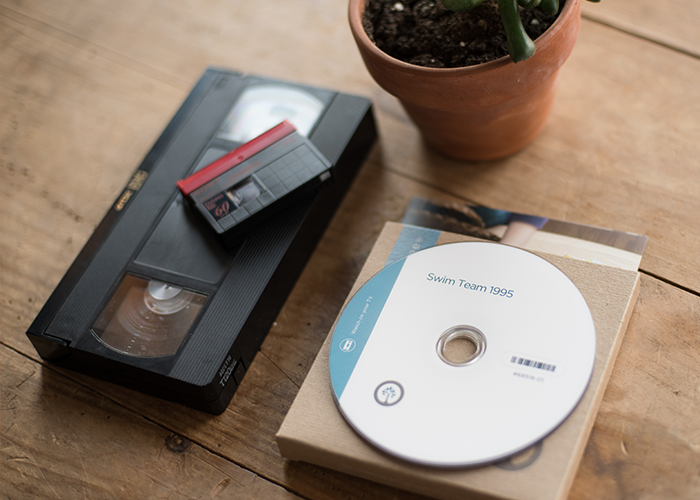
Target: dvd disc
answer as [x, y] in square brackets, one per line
[462, 354]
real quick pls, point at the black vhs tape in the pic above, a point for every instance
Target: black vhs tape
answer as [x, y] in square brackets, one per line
[154, 301]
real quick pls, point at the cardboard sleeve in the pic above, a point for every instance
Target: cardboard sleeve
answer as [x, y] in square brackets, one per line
[314, 430]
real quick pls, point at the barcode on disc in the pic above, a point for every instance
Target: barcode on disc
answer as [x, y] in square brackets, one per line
[532, 364]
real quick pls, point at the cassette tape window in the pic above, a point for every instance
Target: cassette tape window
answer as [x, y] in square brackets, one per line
[147, 318]
[261, 107]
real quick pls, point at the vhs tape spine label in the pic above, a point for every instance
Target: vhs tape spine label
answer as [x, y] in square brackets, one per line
[134, 185]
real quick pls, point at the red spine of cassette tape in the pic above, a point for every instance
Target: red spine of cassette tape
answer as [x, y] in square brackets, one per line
[238, 155]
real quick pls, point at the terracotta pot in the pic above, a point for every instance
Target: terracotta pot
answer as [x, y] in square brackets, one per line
[480, 112]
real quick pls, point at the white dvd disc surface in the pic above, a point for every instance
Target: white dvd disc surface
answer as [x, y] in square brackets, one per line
[462, 354]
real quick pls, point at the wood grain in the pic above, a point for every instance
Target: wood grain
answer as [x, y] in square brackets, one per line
[93, 448]
[86, 88]
[74, 129]
[646, 439]
[674, 25]
[300, 41]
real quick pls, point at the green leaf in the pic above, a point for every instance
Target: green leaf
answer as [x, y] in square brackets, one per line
[551, 7]
[520, 47]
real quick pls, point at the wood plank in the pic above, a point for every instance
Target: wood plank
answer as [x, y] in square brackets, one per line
[93, 448]
[75, 128]
[646, 439]
[675, 26]
[297, 40]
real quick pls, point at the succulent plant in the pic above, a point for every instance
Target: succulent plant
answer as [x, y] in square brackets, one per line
[520, 46]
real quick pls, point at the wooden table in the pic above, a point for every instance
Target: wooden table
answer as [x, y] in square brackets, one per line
[87, 86]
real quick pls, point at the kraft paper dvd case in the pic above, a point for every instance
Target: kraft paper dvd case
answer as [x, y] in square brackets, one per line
[602, 263]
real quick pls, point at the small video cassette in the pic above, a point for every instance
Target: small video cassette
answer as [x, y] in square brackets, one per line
[243, 188]
[154, 301]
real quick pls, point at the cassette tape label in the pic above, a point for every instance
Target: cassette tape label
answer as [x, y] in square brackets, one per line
[219, 206]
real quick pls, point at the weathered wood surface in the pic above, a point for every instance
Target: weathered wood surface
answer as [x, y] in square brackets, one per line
[86, 87]
[62, 440]
[646, 439]
[672, 24]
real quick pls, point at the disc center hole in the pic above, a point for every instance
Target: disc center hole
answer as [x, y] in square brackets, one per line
[461, 345]
[459, 350]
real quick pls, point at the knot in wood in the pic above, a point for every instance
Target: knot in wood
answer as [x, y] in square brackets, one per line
[177, 444]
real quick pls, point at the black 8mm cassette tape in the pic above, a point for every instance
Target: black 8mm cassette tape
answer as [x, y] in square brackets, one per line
[154, 301]
[246, 186]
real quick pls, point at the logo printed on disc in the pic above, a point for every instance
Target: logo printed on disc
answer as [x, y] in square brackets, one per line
[388, 393]
[347, 345]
